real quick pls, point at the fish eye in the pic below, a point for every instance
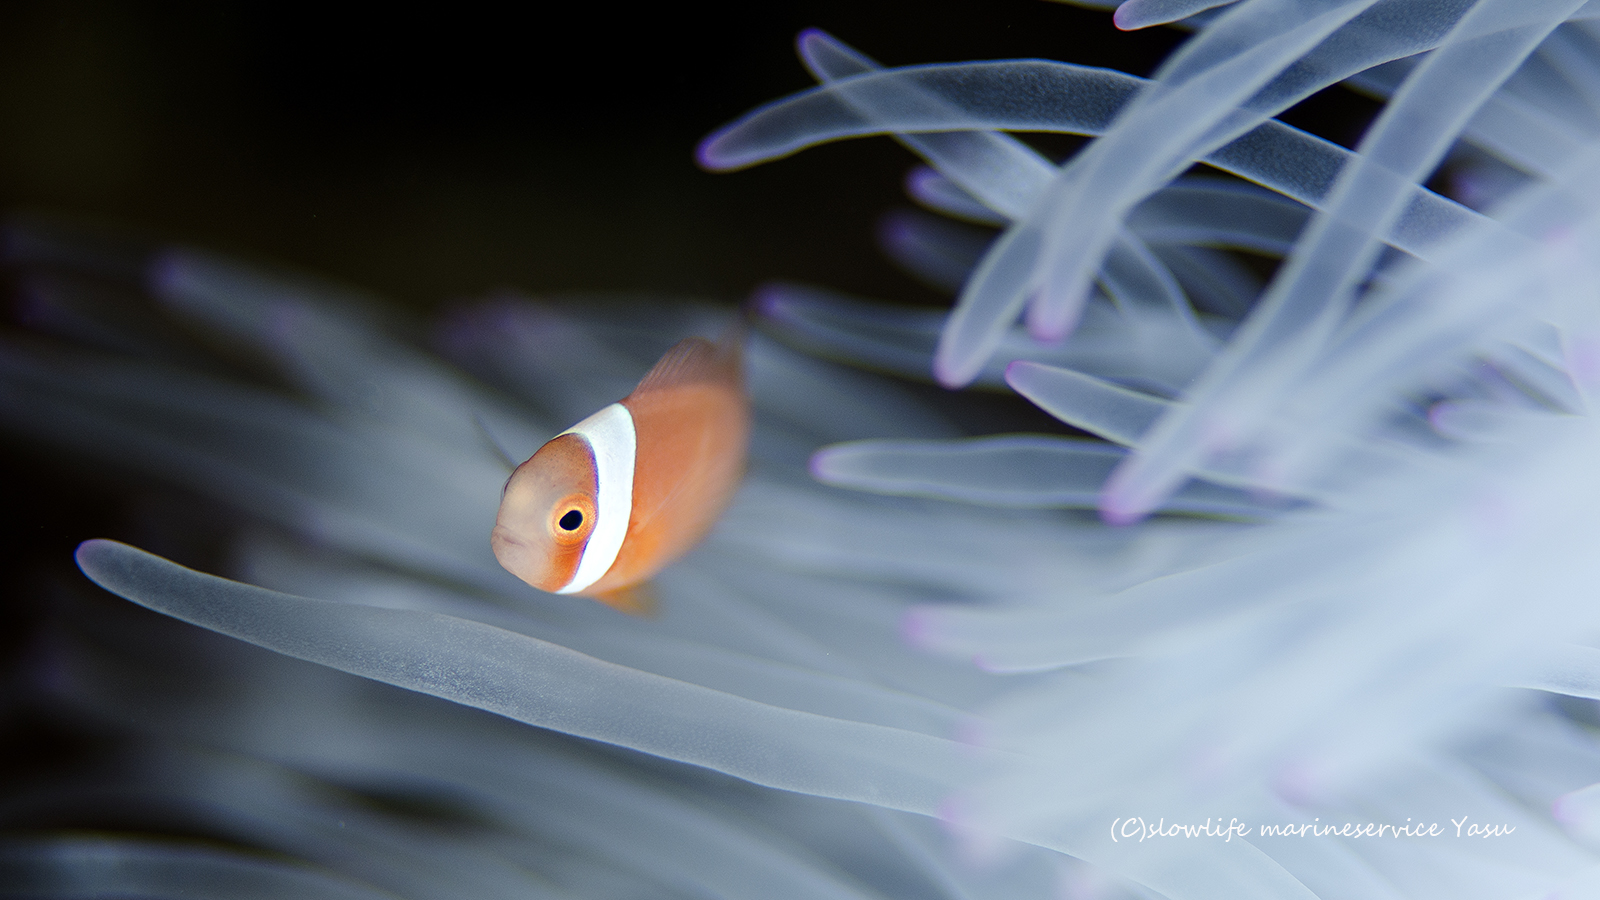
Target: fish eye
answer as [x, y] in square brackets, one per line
[571, 519]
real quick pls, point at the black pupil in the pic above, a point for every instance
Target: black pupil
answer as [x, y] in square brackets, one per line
[572, 520]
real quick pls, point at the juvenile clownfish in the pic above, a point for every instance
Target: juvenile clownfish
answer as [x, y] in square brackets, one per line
[609, 502]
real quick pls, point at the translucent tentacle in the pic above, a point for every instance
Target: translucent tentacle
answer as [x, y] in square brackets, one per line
[1312, 294]
[1060, 97]
[1021, 471]
[1132, 15]
[545, 684]
[68, 868]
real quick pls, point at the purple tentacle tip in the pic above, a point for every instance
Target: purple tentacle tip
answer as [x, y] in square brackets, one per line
[914, 625]
[770, 301]
[817, 466]
[705, 153]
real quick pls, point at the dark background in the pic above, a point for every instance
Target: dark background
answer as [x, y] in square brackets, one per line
[435, 153]
[439, 152]
[431, 153]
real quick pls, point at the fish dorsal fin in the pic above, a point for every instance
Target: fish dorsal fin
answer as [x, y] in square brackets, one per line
[696, 361]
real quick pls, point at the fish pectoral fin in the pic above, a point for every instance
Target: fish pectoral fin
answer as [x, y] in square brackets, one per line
[635, 599]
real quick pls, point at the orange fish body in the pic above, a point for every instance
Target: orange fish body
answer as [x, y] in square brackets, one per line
[607, 504]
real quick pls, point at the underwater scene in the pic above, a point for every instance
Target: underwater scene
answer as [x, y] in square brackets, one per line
[966, 450]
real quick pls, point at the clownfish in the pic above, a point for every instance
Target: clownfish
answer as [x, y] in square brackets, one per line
[609, 502]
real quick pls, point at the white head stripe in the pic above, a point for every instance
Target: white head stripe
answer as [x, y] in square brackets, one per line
[613, 442]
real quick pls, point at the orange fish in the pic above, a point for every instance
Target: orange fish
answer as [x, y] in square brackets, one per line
[609, 502]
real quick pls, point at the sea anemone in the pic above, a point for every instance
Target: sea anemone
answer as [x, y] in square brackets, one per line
[1306, 613]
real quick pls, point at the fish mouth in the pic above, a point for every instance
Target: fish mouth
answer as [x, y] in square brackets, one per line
[512, 552]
